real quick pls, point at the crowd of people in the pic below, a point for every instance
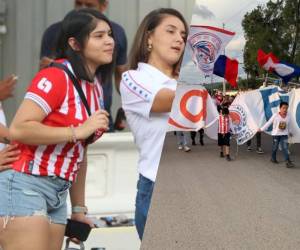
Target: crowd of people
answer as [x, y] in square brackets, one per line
[67, 107]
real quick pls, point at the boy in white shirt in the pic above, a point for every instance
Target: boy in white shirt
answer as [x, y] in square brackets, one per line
[280, 132]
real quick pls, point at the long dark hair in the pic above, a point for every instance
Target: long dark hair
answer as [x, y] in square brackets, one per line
[139, 51]
[79, 24]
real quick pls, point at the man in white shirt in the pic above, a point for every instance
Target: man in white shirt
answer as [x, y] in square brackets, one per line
[280, 133]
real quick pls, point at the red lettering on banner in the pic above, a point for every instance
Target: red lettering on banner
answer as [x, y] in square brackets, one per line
[183, 104]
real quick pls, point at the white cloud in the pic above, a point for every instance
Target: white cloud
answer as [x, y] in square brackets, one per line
[203, 12]
[236, 44]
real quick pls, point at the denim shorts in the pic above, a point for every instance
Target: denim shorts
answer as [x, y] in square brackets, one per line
[28, 195]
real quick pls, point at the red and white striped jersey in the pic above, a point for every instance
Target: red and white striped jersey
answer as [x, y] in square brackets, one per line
[53, 91]
[224, 124]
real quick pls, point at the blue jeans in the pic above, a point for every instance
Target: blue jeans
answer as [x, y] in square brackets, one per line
[142, 203]
[283, 140]
[181, 138]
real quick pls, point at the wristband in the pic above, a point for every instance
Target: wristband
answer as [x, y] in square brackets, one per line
[79, 209]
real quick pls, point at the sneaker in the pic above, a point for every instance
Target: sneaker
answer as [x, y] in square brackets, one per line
[289, 164]
[221, 154]
[259, 150]
[193, 143]
[249, 148]
[274, 161]
[186, 148]
[228, 158]
[180, 147]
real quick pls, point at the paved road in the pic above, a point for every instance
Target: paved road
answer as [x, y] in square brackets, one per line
[204, 202]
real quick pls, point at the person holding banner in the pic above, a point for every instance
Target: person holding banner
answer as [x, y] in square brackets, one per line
[280, 133]
[147, 92]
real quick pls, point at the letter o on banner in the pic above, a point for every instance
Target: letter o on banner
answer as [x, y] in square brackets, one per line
[183, 103]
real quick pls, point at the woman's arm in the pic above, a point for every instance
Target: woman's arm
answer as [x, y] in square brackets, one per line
[27, 126]
[4, 135]
[163, 101]
[77, 193]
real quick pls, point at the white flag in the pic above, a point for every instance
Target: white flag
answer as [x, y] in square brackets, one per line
[192, 109]
[207, 43]
[294, 110]
[244, 125]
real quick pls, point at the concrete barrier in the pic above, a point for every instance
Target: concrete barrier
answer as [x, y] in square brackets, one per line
[112, 174]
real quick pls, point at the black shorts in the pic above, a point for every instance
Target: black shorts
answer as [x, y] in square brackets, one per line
[224, 139]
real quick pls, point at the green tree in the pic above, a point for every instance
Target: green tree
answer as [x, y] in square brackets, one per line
[273, 27]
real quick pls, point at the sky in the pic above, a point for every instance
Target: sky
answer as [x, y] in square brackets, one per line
[229, 13]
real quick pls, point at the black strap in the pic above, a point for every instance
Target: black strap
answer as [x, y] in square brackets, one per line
[79, 90]
[75, 83]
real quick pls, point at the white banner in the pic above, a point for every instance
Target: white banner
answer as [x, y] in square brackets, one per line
[251, 110]
[243, 123]
[294, 109]
[193, 109]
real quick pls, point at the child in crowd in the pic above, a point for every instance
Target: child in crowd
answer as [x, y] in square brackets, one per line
[280, 133]
[224, 133]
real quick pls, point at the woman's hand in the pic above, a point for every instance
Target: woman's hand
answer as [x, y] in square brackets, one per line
[7, 87]
[98, 120]
[81, 217]
[8, 155]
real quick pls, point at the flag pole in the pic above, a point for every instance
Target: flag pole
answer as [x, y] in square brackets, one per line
[224, 81]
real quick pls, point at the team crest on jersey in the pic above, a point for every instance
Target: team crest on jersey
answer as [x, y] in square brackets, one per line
[205, 47]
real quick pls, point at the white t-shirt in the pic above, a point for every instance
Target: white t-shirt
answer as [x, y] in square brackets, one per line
[138, 89]
[3, 122]
[280, 124]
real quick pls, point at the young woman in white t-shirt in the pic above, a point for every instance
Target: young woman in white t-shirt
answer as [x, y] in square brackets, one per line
[280, 132]
[147, 92]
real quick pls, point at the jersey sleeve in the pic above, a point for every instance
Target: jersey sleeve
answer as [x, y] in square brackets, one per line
[48, 89]
[137, 93]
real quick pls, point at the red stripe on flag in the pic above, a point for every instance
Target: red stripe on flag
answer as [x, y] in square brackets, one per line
[231, 71]
[215, 29]
[172, 122]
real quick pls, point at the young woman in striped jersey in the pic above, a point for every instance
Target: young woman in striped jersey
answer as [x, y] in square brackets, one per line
[51, 128]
